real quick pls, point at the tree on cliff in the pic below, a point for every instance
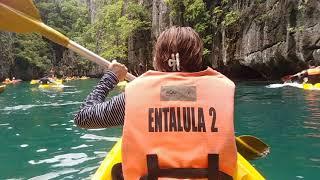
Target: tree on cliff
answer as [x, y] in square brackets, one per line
[29, 56]
[116, 22]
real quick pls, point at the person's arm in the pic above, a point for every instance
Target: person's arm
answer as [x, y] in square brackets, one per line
[95, 112]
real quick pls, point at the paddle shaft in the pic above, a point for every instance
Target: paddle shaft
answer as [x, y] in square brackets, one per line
[93, 57]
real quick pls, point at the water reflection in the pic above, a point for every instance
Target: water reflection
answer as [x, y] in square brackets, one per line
[39, 140]
[288, 119]
[312, 121]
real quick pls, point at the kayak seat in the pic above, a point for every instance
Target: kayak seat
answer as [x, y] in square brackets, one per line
[212, 172]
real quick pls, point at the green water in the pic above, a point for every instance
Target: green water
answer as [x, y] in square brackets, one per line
[39, 140]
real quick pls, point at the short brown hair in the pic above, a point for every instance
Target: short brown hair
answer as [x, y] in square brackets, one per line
[182, 40]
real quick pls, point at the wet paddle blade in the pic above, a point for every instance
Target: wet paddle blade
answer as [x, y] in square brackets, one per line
[251, 147]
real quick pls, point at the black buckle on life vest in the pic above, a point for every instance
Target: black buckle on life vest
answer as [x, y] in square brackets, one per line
[212, 172]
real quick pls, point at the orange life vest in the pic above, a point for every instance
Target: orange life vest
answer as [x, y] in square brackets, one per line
[180, 120]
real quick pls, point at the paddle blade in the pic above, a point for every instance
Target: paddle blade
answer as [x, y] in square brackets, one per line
[251, 147]
[25, 6]
[26, 20]
[9, 21]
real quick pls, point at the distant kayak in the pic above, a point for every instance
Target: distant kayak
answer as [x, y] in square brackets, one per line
[2, 88]
[307, 86]
[51, 86]
[84, 78]
[12, 82]
[76, 78]
[34, 81]
[56, 81]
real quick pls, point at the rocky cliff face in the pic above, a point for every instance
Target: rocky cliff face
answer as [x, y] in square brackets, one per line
[160, 17]
[272, 38]
[140, 45]
[6, 60]
[269, 39]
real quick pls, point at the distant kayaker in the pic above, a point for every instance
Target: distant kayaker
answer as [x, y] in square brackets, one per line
[7, 81]
[311, 75]
[45, 80]
[178, 118]
[52, 74]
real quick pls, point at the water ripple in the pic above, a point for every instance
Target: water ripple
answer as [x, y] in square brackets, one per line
[64, 160]
[41, 150]
[52, 175]
[284, 85]
[95, 137]
[28, 106]
[24, 145]
[81, 146]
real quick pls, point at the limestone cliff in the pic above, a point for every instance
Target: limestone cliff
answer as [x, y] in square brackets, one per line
[268, 38]
[272, 38]
[264, 39]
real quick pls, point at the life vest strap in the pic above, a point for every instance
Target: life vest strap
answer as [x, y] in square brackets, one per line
[212, 172]
[116, 172]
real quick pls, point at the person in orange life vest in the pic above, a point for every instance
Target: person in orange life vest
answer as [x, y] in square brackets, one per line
[178, 120]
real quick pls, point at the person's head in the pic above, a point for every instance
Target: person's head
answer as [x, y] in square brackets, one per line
[183, 41]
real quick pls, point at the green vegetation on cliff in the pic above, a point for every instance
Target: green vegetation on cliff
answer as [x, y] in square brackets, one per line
[115, 23]
[29, 56]
[206, 17]
[259, 39]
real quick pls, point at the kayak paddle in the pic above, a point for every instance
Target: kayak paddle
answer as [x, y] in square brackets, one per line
[251, 147]
[21, 16]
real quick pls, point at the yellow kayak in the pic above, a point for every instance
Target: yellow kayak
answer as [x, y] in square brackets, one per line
[84, 78]
[308, 86]
[245, 171]
[34, 81]
[122, 85]
[51, 86]
[58, 81]
[2, 87]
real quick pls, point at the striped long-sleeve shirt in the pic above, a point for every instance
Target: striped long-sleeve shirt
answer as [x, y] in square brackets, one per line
[95, 112]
